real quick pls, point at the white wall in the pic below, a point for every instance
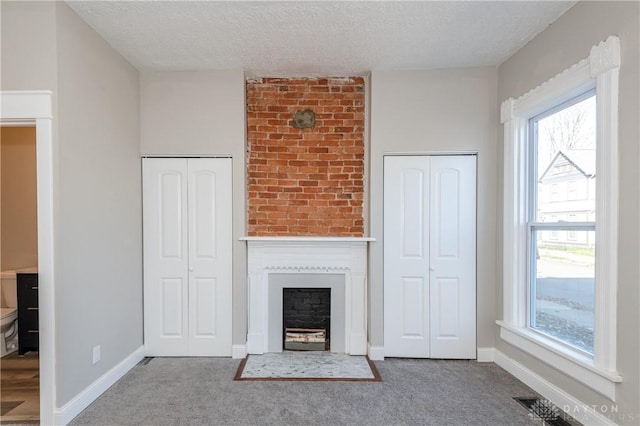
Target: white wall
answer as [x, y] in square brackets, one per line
[96, 186]
[562, 44]
[28, 45]
[447, 111]
[28, 55]
[19, 229]
[203, 113]
[98, 208]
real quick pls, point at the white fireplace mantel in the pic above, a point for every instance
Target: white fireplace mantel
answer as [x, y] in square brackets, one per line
[309, 255]
[309, 239]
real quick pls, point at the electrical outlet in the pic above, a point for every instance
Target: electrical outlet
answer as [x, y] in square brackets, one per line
[96, 354]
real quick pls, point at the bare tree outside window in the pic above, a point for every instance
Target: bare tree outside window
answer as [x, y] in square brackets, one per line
[572, 129]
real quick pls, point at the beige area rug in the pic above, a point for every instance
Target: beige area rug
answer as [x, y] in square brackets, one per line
[309, 366]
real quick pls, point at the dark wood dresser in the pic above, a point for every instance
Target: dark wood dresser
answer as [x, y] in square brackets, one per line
[28, 332]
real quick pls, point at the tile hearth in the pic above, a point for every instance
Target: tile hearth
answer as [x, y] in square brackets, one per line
[307, 365]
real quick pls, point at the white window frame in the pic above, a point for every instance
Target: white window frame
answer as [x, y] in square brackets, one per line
[600, 71]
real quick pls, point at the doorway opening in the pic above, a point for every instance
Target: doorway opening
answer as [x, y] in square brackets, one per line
[19, 337]
[29, 108]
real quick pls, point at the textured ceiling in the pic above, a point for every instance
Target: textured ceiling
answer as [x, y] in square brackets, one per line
[309, 38]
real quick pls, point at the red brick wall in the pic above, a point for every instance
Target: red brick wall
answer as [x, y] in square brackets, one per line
[304, 182]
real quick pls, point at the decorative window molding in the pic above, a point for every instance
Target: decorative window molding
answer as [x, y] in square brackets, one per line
[600, 71]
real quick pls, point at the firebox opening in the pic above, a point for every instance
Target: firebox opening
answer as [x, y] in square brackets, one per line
[306, 318]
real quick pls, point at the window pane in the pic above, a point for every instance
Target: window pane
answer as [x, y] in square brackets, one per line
[563, 286]
[566, 164]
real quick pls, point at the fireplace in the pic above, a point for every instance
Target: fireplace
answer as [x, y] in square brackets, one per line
[335, 263]
[278, 282]
[306, 318]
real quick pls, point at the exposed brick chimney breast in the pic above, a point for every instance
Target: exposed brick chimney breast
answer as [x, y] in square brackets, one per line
[305, 181]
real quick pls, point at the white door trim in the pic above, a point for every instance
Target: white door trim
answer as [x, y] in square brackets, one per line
[28, 108]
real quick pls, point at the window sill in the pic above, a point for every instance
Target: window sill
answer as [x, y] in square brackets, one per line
[571, 363]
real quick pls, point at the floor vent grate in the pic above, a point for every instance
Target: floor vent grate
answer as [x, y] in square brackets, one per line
[146, 360]
[541, 409]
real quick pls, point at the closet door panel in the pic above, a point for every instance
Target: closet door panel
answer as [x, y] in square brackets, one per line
[453, 257]
[171, 306]
[406, 256]
[210, 256]
[204, 318]
[165, 257]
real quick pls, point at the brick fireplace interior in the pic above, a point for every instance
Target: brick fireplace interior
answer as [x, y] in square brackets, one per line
[307, 308]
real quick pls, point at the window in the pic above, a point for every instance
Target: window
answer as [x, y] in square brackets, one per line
[559, 291]
[562, 275]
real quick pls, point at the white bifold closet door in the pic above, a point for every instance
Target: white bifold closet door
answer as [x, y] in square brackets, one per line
[187, 226]
[430, 256]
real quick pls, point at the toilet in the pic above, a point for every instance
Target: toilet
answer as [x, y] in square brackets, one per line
[8, 331]
[8, 313]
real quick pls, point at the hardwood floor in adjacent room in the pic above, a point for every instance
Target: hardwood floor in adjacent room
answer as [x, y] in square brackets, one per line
[20, 388]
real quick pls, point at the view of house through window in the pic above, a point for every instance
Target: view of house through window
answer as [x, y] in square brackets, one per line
[562, 206]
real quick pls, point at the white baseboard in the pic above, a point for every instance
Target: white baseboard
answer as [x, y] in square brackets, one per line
[486, 354]
[238, 351]
[376, 353]
[71, 409]
[577, 409]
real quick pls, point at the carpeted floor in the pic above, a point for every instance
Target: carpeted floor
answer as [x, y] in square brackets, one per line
[201, 391]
